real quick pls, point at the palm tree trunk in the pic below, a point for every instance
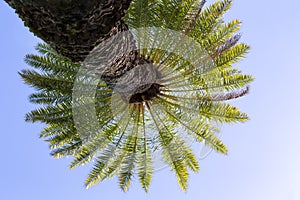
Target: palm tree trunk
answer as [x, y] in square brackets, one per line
[72, 27]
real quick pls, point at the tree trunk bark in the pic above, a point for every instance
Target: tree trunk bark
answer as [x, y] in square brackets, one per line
[72, 27]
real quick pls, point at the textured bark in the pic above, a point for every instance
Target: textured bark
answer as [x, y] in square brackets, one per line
[72, 27]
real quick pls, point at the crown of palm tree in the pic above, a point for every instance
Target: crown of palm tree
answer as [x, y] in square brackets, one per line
[187, 94]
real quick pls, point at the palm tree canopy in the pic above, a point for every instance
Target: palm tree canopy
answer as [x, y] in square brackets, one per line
[185, 99]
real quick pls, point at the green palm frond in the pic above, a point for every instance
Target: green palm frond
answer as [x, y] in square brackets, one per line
[223, 32]
[47, 82]
[88, 151]
[51, 62]
[195, 84]
[227, 58]
[144, 160]
[104, 167]
[48, 98]
[209, 19]
[51, 114]
[222, 112]
[140, 12]
[172, 148]
[68, 149]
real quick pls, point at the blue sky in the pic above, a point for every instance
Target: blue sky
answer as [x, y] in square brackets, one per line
[263, 161]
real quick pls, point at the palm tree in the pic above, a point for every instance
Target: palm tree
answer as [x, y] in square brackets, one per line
[188, 94]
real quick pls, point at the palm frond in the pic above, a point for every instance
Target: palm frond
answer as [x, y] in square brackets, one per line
[68, 149]
[47, 82]
[199, 128]
[144, 160]
[49, 98]
[173, 148]
[222, 33]
[209, 19]
[88, 151]
[55, 65]
[51, 114]
[233, 55]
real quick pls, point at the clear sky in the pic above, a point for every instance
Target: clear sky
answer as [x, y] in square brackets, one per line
[263, 161]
